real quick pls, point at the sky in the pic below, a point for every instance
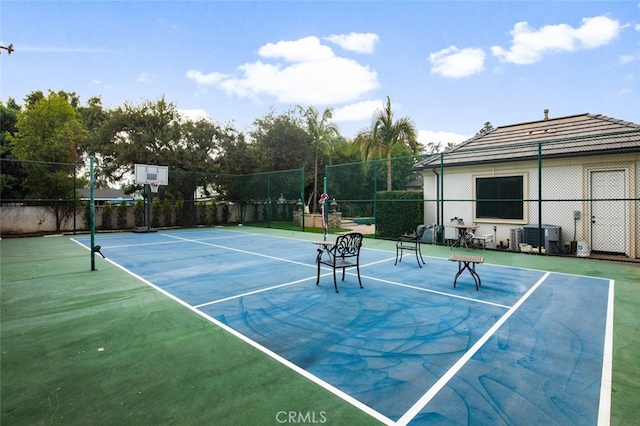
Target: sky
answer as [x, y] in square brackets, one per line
[449, 66]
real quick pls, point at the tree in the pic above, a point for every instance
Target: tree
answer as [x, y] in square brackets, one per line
[486, 129]
[48, 130]
[156, 133]
[48, 133]
[11, 172]
[322, 132]
[281, 143]
[384, 134]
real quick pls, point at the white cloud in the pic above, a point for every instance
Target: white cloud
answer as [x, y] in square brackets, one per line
[356, 42]
[625, 59]
[429, 136]
[312, 74]
[455, 63]
[145, 77]
[306, 49]
[529, 45]
[357, 112]
[204, 79]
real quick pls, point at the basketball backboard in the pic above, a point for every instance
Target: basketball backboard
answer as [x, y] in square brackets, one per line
[145, 173]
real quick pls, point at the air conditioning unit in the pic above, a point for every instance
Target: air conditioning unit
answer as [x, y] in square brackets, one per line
[552, 237]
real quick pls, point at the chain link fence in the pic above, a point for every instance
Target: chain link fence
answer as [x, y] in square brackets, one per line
[575, 196]
[566, 197]
[41, 198]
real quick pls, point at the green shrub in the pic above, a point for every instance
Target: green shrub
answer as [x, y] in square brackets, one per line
[155, 213]
[166, 212]
[178, 212]
[138, 213]
[86, 206]
[107, 216]
[214, 213]
[398, 212]
[121, 215]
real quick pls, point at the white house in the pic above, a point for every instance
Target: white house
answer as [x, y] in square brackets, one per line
[585, 167]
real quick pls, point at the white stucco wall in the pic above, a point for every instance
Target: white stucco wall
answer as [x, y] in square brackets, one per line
[565, 189]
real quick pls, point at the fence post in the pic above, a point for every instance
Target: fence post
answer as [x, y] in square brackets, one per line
[540, 230]
[92, 211]
[442, 194]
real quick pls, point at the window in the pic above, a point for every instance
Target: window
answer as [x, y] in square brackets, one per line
[500, 197]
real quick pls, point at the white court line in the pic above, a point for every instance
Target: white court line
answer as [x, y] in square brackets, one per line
[254, 292]
[442, 382]
[239, 250]
[605, 394]
[306, 264]
[158, 243]
[452, 295]
[604, 409]
[325, 385]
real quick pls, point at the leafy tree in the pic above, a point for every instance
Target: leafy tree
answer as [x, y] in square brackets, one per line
[322, 131]
[48, 130]
[94, 117]
[486, 129]
[11, 173]
[280, 143]
[48, 133]
[384, 134]
[156, 133]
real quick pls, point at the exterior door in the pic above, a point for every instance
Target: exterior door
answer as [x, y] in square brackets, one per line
[609, 218]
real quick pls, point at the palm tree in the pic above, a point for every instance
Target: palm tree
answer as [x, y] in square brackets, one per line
[322, 132]
[384, 133]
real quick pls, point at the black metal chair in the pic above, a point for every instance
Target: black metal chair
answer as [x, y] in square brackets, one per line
[413, 243]
[343, 254]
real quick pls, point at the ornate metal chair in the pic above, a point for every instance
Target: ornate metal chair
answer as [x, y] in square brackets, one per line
[413, 243]
[343, 254]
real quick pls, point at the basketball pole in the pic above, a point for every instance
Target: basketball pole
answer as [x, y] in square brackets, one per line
[147, 189]
[92, 214]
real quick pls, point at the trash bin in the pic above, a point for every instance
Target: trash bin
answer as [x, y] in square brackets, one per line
[583, 249]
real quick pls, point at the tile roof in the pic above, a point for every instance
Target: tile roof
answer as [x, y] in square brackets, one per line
[576, 135]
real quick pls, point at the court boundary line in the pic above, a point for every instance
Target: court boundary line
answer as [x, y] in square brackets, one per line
[445, 378]
[250, 293]
[606, 381]
[428, 290]
[604, 409]
[238, 250]
[325, 385]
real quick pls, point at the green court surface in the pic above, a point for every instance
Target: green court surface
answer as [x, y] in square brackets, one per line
[103, 347]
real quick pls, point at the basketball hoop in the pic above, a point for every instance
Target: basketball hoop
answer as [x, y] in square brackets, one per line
[154, 185]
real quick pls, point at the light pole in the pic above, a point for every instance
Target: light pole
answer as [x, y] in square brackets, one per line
[9, 48]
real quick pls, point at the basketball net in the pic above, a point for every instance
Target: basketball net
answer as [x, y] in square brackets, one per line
[154, 185]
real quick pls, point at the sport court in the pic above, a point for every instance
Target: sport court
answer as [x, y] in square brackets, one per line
[530, 347]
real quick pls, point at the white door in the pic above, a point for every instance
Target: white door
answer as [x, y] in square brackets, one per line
[609, 218]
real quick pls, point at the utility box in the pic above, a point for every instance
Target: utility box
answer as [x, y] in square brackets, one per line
[552, 237]
[432, 234]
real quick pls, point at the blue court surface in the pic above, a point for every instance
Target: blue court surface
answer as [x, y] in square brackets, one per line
[530, 347]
